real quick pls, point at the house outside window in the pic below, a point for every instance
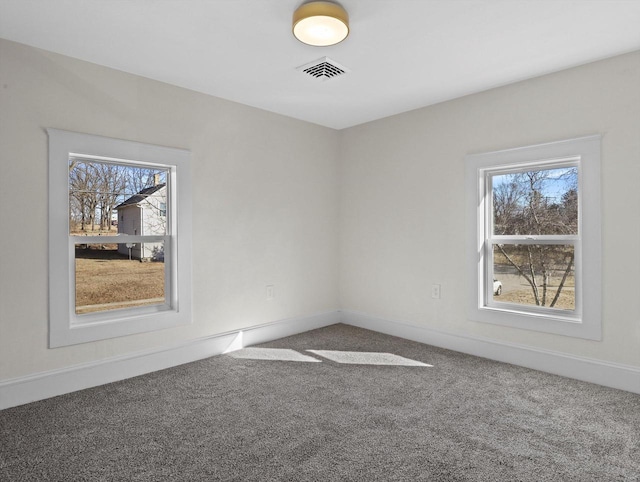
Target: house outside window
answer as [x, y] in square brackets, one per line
[534, 247]
[147, 212]
[105, 280]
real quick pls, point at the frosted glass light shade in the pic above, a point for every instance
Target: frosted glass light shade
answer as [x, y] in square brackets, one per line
[320, 23]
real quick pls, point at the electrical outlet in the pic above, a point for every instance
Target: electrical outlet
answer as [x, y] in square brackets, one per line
[271, 292]
[435, 291]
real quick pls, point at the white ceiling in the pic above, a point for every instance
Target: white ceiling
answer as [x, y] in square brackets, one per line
[403, 54]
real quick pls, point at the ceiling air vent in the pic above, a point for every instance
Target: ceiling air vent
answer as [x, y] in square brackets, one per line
[323, 69]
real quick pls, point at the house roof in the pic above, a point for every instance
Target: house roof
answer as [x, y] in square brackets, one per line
[141, 196]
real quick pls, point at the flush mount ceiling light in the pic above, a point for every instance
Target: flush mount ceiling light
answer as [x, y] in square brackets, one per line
[320, 23]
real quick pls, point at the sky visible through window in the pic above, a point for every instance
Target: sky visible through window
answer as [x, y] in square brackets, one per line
[553, 184]
[536, 202]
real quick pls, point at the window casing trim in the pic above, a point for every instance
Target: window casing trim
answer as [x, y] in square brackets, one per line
[585, 321]
[65, 327]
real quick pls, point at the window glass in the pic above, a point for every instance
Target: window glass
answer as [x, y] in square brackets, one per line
[536, 202]
[110, 276]
[528, 205]
[113, 201]
[98, 191]
[534, 275]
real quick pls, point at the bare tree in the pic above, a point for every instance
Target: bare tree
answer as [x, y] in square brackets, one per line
[140, 178]
[113, 181]
[96, 188]
[83, 182]
[528, 204]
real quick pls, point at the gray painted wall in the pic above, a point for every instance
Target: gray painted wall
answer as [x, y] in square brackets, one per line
[264, 193]
[402, 211]
[364, 219]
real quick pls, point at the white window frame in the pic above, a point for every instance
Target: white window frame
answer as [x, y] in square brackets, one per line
[586, 320]
[65, 326]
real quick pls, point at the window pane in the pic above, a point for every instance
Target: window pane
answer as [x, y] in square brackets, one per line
[106, 198]
[537, 202]
[112, 276]
[534, 275]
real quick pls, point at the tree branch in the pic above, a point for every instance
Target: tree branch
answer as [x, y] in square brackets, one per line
[564, 278]
[532, 282]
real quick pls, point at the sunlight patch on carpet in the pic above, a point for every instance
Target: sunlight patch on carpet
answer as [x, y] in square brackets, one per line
[367, 358]
[282, 354]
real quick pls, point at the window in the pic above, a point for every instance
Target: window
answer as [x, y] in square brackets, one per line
[534, 244]
[119, 260]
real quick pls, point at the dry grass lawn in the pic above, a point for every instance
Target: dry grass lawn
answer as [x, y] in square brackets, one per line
[556, 260]
[106, 280]
[566, 301]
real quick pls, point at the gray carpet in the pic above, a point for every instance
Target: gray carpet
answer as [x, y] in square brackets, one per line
[250, 416]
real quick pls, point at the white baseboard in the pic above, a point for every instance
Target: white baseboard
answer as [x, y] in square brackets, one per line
[623, 377]
[30, 388]
[38, 386]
